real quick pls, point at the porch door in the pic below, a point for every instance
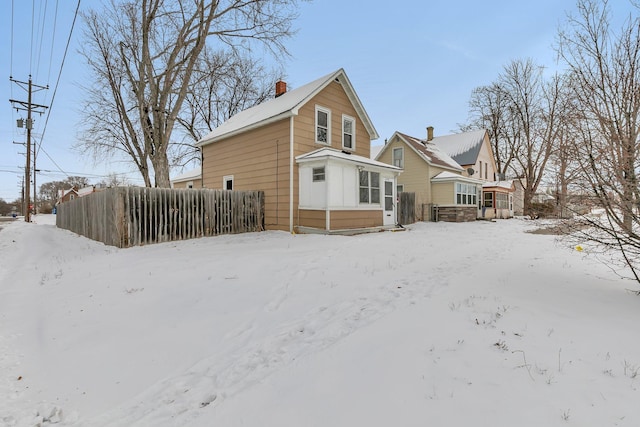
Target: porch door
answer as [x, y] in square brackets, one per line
[389, 214]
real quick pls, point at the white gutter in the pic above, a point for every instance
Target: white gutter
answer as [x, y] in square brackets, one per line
[291, 160]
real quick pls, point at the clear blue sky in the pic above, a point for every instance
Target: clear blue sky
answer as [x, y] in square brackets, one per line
[412, 63]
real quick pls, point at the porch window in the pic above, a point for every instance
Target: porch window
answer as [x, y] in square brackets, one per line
[398, 157]
[465, 194]
[348, 132]
[502, 201]
[323, 126]
[369, 187]
[318, 174]
[488, 200]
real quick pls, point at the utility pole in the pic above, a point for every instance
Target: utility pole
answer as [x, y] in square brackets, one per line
[29, 107]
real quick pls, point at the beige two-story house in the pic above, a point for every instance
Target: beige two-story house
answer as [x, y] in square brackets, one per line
[453, 176]
[308, 149]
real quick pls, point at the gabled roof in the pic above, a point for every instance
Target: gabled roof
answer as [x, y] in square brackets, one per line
[287, 105]
[429, 152]
[462, 147]
[332, 153]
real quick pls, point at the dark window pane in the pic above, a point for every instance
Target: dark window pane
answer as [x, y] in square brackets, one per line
[375, 180]
[364, 195]
[375, 195]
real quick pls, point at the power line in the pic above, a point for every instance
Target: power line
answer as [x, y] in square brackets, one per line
[55, 89]
[53, 37]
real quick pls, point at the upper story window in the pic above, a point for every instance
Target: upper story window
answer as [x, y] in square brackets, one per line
[398, 157]
[348, 133]
[480, 169]
[369, 187]
[323, 126]
[318, 174]
[466, 194]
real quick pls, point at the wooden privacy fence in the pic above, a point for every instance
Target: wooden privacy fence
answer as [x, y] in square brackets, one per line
[131, 216]
[407, 208]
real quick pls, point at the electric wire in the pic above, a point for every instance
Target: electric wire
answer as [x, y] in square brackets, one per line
[42, 21]
[33, 11]
[55, 89]
[53, 37]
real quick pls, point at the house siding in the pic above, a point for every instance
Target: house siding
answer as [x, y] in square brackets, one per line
[415, 178]
[333, 98]
[197, 183]
[443, 193]
[345, 220]
[312, 218]
[259, 159]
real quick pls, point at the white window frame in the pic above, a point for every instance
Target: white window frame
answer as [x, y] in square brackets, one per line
[318, 174]
[328, 128]
[225, 179]
[502, 201]
[399, 188]
[345, 119]
[393, 157]
[465, 194]
[190, 184]
[371, 191]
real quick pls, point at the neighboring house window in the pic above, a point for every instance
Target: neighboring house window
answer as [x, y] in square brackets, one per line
[71, 197]
[369, 187]
[399, 188]
[480, 169]
[323, 126]
[485, 172]
[190, 184]
[348, 133]
[488, 200]
[465, 194]
[502, 201]
[398, 157]
[318, 174]
[227, 182]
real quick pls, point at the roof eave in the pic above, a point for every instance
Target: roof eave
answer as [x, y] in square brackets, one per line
[247, 128]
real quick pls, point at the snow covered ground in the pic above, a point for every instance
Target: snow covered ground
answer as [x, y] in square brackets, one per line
[444, 324]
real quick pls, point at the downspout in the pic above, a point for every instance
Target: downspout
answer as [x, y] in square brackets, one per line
[201, 168]
[291, 160]
[327, 214]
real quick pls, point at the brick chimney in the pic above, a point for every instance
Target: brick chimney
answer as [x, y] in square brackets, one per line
[281, 88]
[429, 133]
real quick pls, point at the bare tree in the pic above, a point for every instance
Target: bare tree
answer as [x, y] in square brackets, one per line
[224, 83]
[143, 54]
[605, 69]
[488, 109]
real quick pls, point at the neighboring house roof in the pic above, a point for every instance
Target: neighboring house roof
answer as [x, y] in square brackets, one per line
[86, 190]
[188, 176]
[63, 193]
[287, 105]
[507, 185]
[332, 153]
[429, 152]
[462, 147]
[450, 176]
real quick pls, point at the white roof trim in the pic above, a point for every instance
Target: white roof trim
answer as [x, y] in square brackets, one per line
[285, 106]
[327, 153]
[449, 176]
